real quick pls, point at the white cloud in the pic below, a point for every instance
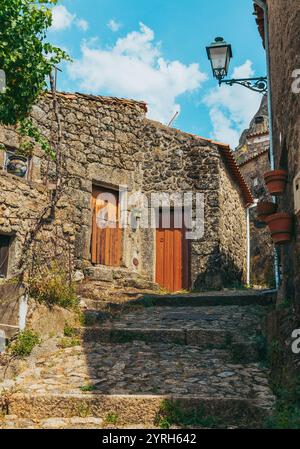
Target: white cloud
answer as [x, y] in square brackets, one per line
[113, 25]
[82, 24]
[62, 19]
[135, 68]
[232, 107]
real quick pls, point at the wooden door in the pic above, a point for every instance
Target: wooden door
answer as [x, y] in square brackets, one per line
[172, 256]
[4, 254]
[106, 246]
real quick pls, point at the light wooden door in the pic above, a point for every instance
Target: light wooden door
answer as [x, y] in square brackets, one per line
[106, 246]
[172, 257]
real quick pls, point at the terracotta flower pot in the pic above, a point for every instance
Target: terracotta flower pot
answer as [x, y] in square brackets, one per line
[264, 209]
[276, 181]
[281, 227]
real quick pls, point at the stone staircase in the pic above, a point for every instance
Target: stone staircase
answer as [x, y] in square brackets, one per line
[130, 364]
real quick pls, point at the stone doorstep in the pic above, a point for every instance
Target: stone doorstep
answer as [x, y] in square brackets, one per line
[133, 409]
[122, 276]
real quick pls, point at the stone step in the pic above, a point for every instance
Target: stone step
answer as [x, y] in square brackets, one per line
[264, 298]
[182, 300]
[130, 411]
[201, 338]
[234, 328]
[76, 422]
[131, 381]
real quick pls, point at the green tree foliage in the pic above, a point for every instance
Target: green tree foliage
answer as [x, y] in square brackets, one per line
[25, 55]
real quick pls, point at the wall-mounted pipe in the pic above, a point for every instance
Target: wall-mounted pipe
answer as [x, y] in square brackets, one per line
[248, 280]
[263, 5]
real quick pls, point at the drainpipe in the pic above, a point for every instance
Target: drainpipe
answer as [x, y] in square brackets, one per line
[249, 242]
[263, 5]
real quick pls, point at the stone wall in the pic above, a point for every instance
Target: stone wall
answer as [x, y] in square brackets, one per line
[284, 44]
[252, 156]
[284, 26]
[262, 247]
[109, 143]
[10, 296]
[176, 162]
[21, 204]
[233, 231]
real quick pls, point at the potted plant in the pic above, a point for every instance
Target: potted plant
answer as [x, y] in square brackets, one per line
[18, 162]
[276, 181]
[281, 227]
[17, 165]
[265, 208]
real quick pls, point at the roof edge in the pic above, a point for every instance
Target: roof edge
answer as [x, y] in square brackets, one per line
[237, 175]
[99, 98]
[251, 158]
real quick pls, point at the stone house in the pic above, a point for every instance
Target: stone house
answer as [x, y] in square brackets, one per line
[280, 22]
[252, 155]
[116, 161]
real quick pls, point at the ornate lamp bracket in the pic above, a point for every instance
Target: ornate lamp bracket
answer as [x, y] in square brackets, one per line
[256, 84]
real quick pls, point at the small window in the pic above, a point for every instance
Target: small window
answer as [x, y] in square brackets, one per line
[259, 119]
[255, 182]
[5, 241]
[11, 151]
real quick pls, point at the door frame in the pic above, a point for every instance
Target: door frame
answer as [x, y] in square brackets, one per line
[186, 253]
[115, 190]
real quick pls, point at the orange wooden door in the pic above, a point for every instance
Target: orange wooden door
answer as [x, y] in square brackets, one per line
[106, 246]
[172, 254]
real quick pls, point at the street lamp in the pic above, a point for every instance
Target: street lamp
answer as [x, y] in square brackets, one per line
[220, 53]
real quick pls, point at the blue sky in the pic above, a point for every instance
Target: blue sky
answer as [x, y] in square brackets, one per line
[155, 50]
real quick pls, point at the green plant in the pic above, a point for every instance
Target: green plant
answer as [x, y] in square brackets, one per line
[31, 135]
[286, 416]
[286, 303]
[171, 413]
[88, 319]
[83, 410]
[69, 342]
[111, 418]
[25, 56]
[52, 286]
[69, 331]
[23, 345]
[87, 388]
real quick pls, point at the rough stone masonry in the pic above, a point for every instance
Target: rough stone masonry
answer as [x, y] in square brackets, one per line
[108, 142]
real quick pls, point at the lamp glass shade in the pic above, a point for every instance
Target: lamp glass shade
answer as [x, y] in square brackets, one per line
[218, 57]
[219, 54]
